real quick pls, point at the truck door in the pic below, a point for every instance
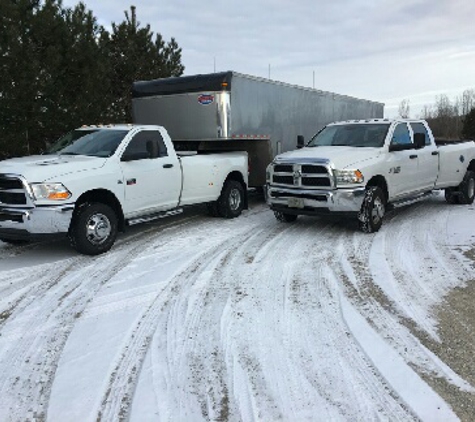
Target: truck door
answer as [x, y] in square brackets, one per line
[428, 160]
[152, 178]
[402, 165]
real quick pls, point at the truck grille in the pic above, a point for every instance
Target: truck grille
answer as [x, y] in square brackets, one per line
[311, 176]
[12, 191]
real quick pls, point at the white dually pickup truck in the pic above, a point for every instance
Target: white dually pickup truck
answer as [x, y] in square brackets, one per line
[364, 167]
[97, 180]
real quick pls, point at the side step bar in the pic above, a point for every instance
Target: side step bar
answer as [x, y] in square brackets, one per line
[156, 216]
[409, 201]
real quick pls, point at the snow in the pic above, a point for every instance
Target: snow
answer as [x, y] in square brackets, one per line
[196, 318]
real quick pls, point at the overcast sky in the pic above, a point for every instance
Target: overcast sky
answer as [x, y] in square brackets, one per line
[379, 50]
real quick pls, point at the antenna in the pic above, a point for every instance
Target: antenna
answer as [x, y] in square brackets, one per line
[269, 71]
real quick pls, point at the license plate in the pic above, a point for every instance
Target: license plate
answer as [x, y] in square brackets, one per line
[295, 203]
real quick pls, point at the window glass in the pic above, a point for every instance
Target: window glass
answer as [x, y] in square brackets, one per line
[93, 142]
[401, 135]
[420, 128]
[146, 144]
[351, 135]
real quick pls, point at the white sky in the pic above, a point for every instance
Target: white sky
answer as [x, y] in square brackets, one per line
[381, 50]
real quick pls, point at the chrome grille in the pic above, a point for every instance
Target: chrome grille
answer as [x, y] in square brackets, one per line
[309, 176]
[12, 191]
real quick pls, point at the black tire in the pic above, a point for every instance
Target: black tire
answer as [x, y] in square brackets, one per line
[372, 210]
[451, 197]
[231, 201]
[467, 188]
[94, 229]
[284, 217]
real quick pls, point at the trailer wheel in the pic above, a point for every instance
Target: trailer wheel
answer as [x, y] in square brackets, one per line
[231, 201]
[467, 188]
[284, 217]
[94, 229]
[372, 210]
[450, 196]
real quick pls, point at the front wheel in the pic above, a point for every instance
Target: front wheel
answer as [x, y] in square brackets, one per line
[372, 210]
[231, 201]
[94, 229]
[284, 217]
[467, 188]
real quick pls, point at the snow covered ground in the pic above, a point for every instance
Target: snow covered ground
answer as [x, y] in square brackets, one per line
[196, 318]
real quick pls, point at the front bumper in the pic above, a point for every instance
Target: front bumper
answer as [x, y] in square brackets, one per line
[315, 202]
[28, 223]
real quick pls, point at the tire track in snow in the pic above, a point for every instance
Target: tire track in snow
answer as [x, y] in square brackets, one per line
[426, 241]
[38, 324]
[329, 358]
[118, 396]
[228, 326]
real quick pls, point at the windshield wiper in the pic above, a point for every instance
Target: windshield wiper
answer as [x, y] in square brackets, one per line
[70, 153]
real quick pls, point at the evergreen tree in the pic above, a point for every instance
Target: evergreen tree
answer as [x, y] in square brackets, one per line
[468, 130]
[59, 69]
[134, 55]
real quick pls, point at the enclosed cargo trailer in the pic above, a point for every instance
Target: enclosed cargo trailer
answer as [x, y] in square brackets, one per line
[232, 111]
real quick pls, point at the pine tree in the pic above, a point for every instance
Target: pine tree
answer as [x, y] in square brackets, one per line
[59, 69]
[134, 55]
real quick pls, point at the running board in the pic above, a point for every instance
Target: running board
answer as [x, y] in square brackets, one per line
[409, 201]
[152, 217]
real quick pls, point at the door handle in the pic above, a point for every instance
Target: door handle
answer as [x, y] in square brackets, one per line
[167, 166]
[435, 152]
[413, 156]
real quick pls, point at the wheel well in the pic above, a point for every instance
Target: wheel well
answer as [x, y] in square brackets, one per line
[105, 197]
[471, 166]
[237, 176]
[379, 181]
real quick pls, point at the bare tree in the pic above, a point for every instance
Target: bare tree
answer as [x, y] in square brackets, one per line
[468, 101]
[404, 109]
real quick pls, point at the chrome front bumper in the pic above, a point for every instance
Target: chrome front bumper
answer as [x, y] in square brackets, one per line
[315, 201]
[29, 222]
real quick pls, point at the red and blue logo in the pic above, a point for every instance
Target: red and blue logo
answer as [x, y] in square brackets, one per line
[206, 99]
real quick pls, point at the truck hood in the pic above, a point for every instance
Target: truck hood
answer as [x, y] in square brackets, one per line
[41, 168]
[340, 157]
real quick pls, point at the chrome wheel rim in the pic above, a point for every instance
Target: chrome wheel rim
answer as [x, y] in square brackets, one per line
[471, 187]
[377, 213]
[98, 229]
[234, 199]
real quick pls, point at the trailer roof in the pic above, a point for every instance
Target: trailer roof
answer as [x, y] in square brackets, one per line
[211, 82]
[182, 84]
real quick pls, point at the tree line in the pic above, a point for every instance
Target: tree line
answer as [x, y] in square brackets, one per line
[60, 69]
[448, 119]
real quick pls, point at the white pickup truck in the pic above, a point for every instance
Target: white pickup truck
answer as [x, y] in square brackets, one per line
[95, 181]
[363, 167]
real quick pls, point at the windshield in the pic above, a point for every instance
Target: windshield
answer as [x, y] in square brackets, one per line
[351, 135]
[93, 142]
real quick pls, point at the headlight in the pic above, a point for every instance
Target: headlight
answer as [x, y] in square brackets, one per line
[52, 191]
[348, 177]
[268, 171]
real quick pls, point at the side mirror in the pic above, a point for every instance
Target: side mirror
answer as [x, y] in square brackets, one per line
[419, 140]
[300, 141]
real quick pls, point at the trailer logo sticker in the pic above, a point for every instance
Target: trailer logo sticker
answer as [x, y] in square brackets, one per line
[206, 99]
